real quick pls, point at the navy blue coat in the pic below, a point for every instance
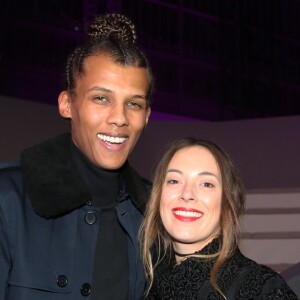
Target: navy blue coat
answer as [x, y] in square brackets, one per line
[47, 248]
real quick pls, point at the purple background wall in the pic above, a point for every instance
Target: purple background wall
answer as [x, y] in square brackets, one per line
[266, 150]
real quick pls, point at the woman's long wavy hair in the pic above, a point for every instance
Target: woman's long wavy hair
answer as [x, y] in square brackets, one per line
[154, 237]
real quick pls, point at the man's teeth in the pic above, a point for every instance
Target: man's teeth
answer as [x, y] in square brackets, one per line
[191, 214]
[111, 139]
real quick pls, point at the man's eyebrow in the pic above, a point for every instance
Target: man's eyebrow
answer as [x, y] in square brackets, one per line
[103, 89]
[140, 96]
[99, 88]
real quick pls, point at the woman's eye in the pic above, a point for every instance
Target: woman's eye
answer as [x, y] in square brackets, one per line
[172, 181]
[207, 184]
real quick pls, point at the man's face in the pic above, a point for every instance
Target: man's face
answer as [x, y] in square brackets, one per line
[109, 110]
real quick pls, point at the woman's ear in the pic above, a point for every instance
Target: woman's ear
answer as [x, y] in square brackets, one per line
[64, 105]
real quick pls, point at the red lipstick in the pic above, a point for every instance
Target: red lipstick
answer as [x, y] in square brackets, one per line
[186, 214]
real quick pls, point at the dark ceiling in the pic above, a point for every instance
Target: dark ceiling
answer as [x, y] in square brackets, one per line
[212, 59]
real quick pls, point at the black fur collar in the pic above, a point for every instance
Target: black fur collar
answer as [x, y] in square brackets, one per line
[54, 184]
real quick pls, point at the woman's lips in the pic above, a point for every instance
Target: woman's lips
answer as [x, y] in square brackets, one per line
[187, 214]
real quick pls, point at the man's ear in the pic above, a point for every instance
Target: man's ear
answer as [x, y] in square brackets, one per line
[64, 105]
[148, 114]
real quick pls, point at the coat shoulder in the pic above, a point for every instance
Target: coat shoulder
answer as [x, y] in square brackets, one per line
[11, 191]
[10, 177]
[8, 167]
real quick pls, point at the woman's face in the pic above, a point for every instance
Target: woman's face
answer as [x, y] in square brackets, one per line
[190, 206]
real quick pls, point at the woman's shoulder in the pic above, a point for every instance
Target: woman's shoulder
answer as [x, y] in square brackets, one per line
[253, 280]
[245, 266]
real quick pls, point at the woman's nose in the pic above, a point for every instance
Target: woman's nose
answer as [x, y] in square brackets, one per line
[187, 193]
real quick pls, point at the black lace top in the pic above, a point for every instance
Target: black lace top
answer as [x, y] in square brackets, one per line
[238, 278]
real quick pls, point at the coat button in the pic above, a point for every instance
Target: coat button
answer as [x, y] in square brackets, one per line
[90, 218]
[62, 281]
[85, 289]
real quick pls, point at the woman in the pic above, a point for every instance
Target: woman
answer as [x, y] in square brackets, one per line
[192, 224]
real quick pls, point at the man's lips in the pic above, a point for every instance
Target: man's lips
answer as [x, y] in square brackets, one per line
[186, 214]
[112, 139]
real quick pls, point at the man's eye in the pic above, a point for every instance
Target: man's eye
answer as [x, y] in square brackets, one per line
[134, 105]
[100, 98]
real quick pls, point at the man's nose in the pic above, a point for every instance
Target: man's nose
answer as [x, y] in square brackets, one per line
[118, 115]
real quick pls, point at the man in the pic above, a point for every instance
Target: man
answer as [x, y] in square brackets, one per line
[71, 209]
